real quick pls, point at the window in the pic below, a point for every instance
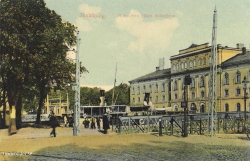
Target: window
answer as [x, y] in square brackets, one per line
[182, 65]
[144, 89]
[150, 88]
[183, 84]
[185, 65]
[210, 60]
[226, 107]
[237, 91]
[238, 107]
[226, 79]
[183, 95]
[139, 99]
[163, 87]
[173, 67]
[175, 108]
[193, 95]
[175, 96]
[202, 94]
[200, 62]
[156, 98]
[163, 98]
[204, 61]
[191, 64]
[202, 81]
[194, 63]
[237, 77]
[193, 83]
[226, 92]
[156, 88]
[138, 91]
[133, 90]
[175, 85]
[177, 67]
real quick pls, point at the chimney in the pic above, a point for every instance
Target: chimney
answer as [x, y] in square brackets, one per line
[244, 50]
[239, 45]
[157, 68]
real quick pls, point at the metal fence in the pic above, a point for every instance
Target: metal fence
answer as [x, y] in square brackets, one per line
[228, 122]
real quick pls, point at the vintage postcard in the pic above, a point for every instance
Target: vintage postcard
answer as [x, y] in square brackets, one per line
[124, 80]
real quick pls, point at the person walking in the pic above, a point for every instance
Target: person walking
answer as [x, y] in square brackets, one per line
[105, 121]
[53, 123]
[92, 124]
[65, 121]
[98, 120]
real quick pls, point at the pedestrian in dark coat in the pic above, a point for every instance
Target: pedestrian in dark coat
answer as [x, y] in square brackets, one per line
[53, 123]
[105, 121]
[98, 120]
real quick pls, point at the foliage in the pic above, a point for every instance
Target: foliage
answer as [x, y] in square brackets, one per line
[90, 96]
[33, 47]
[121, 95]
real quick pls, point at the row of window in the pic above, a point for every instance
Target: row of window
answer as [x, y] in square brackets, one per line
[192, 64]
[202, 80]
[144, 89]
[226, 107]
[202, 93]
[163, 98]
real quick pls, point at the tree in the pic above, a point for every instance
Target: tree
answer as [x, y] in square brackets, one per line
[90, 96]
[121, 96]
[34, 43]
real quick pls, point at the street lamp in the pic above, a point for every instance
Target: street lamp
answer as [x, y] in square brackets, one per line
[244, 86]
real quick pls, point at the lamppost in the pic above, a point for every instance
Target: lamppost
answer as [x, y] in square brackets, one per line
[244, 86]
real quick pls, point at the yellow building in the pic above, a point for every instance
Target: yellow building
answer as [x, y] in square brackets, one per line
[195, 61]
[156, 84]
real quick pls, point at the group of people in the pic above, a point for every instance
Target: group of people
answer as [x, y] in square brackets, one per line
[96, 121]
[67, 122]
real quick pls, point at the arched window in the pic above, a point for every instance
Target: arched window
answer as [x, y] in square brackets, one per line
[185, 65]
[237, 77]
[177, 67]
[202, 108]
[193, 94]
[226, 79]
[175, 108]
[202, 81]
[226, 107]
[182, 65]
[194, 63]
[238, 107]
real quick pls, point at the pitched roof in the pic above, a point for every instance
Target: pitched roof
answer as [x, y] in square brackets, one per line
[240, 58]
[154, 75]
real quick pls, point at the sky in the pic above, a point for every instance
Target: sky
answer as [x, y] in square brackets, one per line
[135, 34]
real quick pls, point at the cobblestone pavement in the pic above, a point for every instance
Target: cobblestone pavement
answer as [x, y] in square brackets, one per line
[90, 145]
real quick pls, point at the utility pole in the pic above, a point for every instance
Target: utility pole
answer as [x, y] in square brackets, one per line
[213, 75]
[76, 128]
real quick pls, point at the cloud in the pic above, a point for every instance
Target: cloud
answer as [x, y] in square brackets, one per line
[89, 9]
[88, 15]
[147, 34]
[83, 25]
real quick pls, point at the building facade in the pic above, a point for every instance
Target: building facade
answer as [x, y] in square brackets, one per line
[196, 61]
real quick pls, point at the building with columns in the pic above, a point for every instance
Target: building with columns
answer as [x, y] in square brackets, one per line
[232, 66]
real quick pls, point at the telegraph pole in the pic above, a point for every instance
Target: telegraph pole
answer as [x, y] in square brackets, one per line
[213, 75]
[76, 128]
